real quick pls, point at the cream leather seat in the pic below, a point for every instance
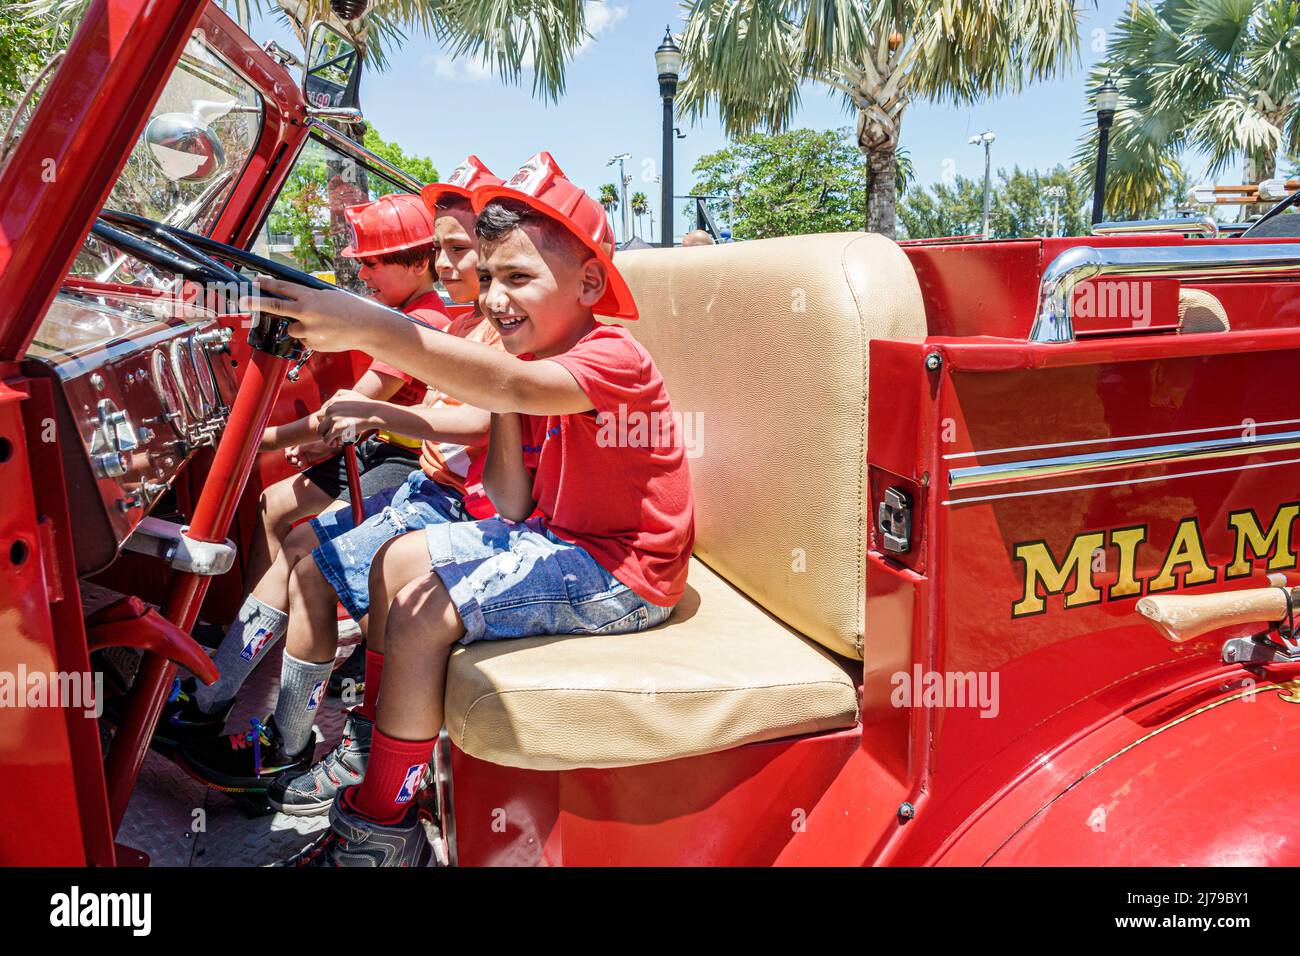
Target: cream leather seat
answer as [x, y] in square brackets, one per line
[764, 346]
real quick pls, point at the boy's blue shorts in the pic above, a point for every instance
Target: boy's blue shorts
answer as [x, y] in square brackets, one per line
[346, 552]
[511, 579]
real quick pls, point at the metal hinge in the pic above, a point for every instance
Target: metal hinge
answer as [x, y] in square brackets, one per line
[894, 519]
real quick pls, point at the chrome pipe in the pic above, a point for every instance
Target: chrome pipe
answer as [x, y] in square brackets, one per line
[1062, 466]
[1055, 321]
[362, 155]
[1197, 225]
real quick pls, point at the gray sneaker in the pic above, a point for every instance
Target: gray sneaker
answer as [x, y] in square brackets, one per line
[354, 841]
[313, 790]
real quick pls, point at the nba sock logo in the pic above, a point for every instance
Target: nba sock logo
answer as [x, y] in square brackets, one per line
[253, 645]
[410, 784]
[313, 700]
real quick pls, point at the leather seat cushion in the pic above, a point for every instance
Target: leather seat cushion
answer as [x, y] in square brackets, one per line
[720, 673]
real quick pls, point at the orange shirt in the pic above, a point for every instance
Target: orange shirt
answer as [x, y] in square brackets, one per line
[460, 466]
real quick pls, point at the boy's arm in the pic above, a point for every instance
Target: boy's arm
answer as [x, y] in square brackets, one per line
[331, 320]
[508, 484]
[303, 430]
[348, 414]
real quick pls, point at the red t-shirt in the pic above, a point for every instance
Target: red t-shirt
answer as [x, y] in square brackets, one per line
[427, 310]
[614, 480]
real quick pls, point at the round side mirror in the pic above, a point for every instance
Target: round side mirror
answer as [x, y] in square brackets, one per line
[183, 148]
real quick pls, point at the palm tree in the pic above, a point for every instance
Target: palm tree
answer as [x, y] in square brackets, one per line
[609, 199]
[639, 205]
[1221, 77]
[541, 35]
[751, 56]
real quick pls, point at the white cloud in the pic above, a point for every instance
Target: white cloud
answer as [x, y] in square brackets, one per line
[601, 16]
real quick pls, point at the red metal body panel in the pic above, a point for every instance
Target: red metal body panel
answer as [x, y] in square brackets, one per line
[83, 128]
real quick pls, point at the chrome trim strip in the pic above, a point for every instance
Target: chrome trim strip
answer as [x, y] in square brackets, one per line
[363, 155]
[1200, 225]
[1055, 322]
[1064, 465]
[1126, 481]
[1110, 441]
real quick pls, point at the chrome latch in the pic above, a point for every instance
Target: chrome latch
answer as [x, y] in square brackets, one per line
[894, 519]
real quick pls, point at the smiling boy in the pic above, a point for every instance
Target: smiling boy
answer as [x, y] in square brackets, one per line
[609, 548]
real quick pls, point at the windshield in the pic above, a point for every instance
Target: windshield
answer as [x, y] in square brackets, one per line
[183, 168]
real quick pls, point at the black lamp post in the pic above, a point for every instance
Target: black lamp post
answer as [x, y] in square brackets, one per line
[668, 60]
[1107, 103]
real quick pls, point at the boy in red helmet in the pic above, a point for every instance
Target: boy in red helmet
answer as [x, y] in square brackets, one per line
[330, 557]
[394, 240]
[610, 547]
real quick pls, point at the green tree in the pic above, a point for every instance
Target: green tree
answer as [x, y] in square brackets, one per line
[1218, 76]
[782, 184]
[420, 167]
[751, 57]
[609, 197]
[537, 35]
[1019, 206]
[640, 205]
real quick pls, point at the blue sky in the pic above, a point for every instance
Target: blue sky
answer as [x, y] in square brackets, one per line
[444, 109]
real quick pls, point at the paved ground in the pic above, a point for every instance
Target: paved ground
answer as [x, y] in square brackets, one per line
[180, 822]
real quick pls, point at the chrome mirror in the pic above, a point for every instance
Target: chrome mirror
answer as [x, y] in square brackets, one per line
[333, 72]
[184, 148]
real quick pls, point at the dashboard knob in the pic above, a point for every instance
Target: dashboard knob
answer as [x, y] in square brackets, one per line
[108, 464]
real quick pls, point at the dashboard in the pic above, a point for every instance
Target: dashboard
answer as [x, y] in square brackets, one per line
[142, 381]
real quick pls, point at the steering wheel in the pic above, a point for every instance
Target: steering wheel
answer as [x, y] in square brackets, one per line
[196, 258]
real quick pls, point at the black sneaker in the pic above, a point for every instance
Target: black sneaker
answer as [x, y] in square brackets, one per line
[247, 762]
[312, 792]
[353, 840]
[352, 669]
[181, 721]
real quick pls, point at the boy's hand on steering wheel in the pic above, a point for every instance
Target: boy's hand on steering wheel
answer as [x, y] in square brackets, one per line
[346, 417]
[327, 320]
[307, 453]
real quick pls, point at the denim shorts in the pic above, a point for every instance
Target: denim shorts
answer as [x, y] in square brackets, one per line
[511, 579]
[346, 552]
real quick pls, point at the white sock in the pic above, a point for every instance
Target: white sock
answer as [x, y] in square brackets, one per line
[302, 685]
[256, 629]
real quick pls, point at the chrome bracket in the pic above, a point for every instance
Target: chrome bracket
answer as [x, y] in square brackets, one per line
[169, 541]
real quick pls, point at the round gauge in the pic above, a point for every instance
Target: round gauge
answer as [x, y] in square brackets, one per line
[169, 395]
[203, 375]
[187, 378]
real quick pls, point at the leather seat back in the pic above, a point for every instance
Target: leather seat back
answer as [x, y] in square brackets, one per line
[763, 347]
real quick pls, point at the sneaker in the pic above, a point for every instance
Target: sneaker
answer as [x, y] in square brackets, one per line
[353, 668]
[353, 840]
[181, 721]
[247, 762]
[313, 792]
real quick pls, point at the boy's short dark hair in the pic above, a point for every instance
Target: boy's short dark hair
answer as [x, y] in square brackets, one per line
[450, 202]
[422, 255]
[500, 217]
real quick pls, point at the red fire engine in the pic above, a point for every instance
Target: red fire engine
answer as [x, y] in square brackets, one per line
[938, 486]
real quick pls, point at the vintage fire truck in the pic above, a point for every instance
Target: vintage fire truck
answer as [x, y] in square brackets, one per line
[949, 498]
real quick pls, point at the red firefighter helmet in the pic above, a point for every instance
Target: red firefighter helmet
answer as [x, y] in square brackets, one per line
[389, 224]
[464, 179]
[542, 185]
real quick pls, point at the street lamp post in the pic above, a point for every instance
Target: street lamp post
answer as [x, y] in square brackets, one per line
[986, 139]
[1107, 103]
[668, 61]
[1055, 194]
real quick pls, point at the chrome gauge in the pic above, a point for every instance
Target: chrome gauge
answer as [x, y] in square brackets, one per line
[182, 365]
[169, 395]
[204, 376]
